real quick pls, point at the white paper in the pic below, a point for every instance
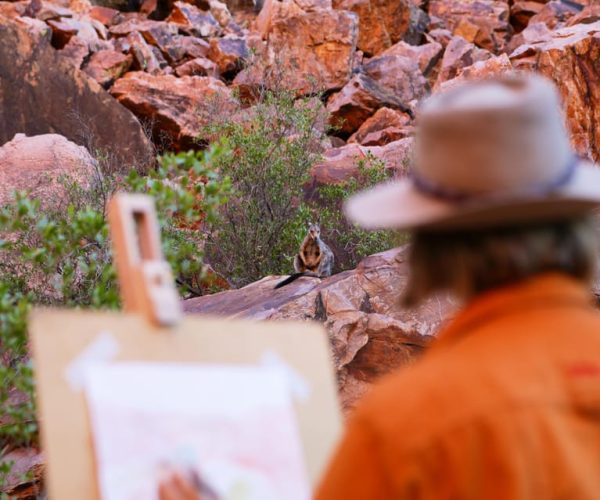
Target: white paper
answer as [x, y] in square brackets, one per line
[233, 424]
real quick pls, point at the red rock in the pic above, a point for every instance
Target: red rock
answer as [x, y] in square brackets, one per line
[106, 66]
[385, 126]
[398, 74]
[49, 11]
[340, 164]
[588, 15]
[570, 57]
[228, 54]
[178, 108]
[178, 48]
[37, 165]
[144, 58]
[534, 32]
[13, 10]
[370, 333]
[522, 11]
[482, 22]
[554, 14]
[458, 55]
[494, 66]
[105, 15]
[198, 67]
[158, 34]
[357, 101]
[75, 51]
[440, 35]
[65, 28]
[383, 23]
[197, 22]
[308, 50]
[427, 55]
[133, 25]
[51, 95]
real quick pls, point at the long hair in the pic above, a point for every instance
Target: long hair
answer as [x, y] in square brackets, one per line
[466, 263]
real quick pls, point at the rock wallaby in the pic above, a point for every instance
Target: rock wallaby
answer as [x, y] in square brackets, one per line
[315, 258]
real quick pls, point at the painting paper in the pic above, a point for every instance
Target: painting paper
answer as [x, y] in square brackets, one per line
[234, 425]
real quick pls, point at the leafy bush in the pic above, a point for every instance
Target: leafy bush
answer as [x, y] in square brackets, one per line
[271, 149]
[62, 257]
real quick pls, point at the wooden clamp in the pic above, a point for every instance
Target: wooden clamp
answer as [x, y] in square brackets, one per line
[145, 278]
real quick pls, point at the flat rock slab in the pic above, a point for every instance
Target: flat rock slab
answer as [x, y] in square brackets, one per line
[370, 334]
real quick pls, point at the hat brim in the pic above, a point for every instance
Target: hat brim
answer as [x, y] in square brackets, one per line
[401, 205]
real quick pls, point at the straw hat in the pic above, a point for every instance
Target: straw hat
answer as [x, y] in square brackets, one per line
[488, 153]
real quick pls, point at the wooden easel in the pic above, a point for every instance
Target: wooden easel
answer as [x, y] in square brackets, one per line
[152, 328]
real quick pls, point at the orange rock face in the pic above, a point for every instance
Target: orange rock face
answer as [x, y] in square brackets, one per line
[570, 57]
[175, 107]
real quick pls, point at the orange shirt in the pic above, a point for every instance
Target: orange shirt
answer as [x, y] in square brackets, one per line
[504, 405]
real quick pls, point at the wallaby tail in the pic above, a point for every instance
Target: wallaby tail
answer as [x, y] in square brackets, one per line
[289, 279]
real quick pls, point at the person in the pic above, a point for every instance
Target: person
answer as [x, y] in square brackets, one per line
[505, 404]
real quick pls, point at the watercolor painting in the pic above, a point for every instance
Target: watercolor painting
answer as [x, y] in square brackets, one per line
[233, 427]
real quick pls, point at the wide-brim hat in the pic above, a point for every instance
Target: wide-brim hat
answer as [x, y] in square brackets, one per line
[488, 153]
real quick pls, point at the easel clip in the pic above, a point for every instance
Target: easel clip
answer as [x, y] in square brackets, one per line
[145, 278]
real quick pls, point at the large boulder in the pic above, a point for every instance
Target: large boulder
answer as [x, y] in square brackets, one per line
[41, 92]
[400, 75]
[304, 51]
[177, 109]
[370, 334]
[42, 166]
[570, 56]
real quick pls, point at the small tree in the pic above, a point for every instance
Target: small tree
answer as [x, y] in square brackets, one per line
[271, 149]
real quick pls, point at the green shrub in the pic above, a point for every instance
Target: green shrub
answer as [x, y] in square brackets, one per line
[62, 257]
[271, 149]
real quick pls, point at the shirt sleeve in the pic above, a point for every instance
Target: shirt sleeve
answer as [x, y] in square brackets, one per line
[355, 471]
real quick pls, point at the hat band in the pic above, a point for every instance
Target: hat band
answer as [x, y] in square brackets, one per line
[456, 195]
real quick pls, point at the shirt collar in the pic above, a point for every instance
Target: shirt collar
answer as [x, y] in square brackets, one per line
[538, 291]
